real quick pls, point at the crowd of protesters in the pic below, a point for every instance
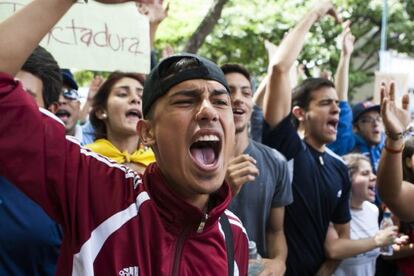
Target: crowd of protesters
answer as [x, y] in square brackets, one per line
[173, 173]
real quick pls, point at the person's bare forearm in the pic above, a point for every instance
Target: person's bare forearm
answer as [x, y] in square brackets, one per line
[23, 35]
[292, 44]
[277, 99]
[328, 267]
[276, 245]
[393, 191]
[258, 96]
[345, 248]
[83, 115]
[342, 77]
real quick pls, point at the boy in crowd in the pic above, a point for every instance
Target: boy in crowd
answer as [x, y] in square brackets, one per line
[259, 178]
[171, 220]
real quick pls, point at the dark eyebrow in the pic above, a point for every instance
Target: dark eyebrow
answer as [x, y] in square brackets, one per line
[127, 88]
[33, 94]
[191, 92]
[219, 91]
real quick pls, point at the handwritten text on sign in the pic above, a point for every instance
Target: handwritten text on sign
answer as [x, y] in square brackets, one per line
[94, 36]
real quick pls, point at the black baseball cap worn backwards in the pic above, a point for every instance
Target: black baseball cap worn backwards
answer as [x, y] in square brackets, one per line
[155, 87]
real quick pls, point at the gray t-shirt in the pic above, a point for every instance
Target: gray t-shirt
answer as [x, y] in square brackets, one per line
[271, 189]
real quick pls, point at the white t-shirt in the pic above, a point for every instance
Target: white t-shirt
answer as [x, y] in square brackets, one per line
[364, 224]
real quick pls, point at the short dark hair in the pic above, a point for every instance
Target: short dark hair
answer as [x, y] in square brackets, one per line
[235, 68]
[100, 99]
[42, 65]
[302, 94]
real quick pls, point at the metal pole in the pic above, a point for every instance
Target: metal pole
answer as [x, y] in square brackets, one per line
[383, 50]
[384, 26]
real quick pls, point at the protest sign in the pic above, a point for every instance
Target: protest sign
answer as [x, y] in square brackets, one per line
[95, 36]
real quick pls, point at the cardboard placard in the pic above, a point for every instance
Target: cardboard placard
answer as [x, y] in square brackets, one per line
[95, 36]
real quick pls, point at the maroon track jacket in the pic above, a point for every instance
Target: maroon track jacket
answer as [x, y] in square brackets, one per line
[116, 222]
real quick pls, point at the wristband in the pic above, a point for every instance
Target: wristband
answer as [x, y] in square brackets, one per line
[400, 135]
[393, 151]
[395, 136]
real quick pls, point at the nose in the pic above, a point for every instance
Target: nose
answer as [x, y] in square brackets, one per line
[235, 96]
[135, 99]
[62, 100]
[336, 108]
[206, 112]
[373, 177]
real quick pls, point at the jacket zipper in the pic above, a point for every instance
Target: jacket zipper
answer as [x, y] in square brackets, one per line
[178, 250]
[202, 223]
[180, 244]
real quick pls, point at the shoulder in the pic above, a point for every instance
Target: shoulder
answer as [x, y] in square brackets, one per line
[235, 222]
[335, 157]
[257, 148]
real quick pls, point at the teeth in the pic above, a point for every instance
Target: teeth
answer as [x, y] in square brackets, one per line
[207, 138]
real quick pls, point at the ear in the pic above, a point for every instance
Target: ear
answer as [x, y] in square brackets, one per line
[408, 162]
[53, 107]
[299, 113]
[101, 114]
[146, 132]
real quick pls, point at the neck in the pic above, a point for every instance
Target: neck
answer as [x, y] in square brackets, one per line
[71, 131]
[315, 144]
[242, 141]
[201, 202]
[356, 204]
[129, 144]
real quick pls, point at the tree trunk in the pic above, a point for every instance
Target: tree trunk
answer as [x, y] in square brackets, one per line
[205, 27]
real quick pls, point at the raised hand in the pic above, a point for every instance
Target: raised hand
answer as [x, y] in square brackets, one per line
[123, 1]
[327, 8]
[386, 236]
[94, 86]
[347, 39]
[155, 10]
[241, 170]
[396, 119]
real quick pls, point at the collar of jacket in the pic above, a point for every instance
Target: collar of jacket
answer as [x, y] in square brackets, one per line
[364, 147]
[177, 214]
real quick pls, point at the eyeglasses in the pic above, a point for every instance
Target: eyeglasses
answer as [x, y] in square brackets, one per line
[70, 94]
[370, 120]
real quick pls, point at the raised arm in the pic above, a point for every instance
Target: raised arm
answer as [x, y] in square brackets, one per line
[93, 88]
[156, 13]
[23, 36]
[277, 101]
[397, 194]
[342, 72]
[345, 139]
[28, 26]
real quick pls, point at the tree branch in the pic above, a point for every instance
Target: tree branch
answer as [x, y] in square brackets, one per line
[205, 27]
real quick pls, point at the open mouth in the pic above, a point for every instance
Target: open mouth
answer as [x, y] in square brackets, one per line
[238, 111]
[333, 124]
[63, 114]
[134, 114]
[371, 188]
[206, 150]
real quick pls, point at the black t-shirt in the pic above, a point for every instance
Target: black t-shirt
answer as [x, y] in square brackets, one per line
[321, 188]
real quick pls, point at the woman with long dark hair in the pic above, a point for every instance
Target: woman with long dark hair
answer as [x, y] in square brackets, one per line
[116, 110]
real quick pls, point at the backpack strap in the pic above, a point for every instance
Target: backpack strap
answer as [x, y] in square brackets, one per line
[225, 225]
